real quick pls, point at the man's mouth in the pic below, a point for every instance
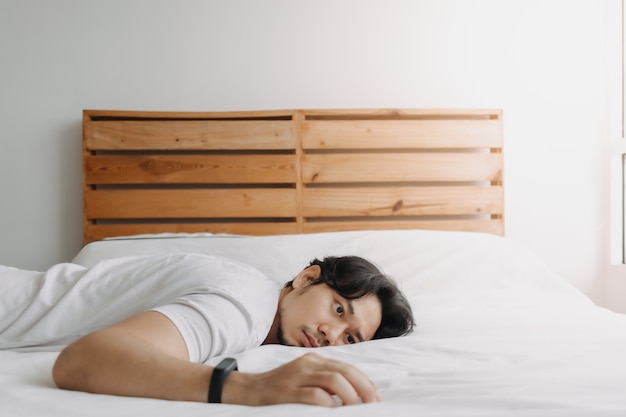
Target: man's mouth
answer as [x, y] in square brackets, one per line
[309, 340]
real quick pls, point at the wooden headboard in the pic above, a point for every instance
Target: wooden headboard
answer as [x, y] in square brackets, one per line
[291, 171]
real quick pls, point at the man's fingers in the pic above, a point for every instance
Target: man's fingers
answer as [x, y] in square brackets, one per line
[317, 396]
[363, 386]
[343, 380]
[334, 383]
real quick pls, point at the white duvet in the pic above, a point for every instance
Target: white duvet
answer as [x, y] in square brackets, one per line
[498, 333]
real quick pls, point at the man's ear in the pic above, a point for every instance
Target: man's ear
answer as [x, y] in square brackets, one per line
[307, 276]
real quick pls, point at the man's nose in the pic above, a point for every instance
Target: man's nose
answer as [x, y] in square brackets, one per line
[332, 334]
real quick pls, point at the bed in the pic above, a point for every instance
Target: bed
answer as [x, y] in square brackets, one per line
[418, 192]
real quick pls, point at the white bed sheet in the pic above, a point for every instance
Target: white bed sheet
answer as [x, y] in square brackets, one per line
[498, 333]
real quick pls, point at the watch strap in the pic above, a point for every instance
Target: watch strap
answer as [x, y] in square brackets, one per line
[220, 373]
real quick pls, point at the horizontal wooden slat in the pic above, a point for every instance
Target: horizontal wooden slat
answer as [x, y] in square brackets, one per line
[148, 116]
[401, 201]
[102, 231]
[189, 134]
[189, 169]
[469, 225]
[370, 167]
[389, 134]
[402, 113]
[163, 204]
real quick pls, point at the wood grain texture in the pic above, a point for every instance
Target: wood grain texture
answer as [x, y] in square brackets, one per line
[195, 204]
[189, 169]
[406, 134]
[395, 167]
[292, 171]
[402, 201]
[493, 226]
[190, 135]
[103, 231]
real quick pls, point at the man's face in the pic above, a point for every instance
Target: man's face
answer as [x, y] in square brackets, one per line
[316, 315]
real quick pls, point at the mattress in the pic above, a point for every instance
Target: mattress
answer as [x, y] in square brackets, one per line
[498, 333]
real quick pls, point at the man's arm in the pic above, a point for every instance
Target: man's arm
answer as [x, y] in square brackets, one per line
[145, 356]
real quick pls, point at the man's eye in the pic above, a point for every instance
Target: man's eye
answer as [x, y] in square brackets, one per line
[339, 309]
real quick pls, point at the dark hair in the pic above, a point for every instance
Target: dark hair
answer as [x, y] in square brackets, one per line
[353, 277]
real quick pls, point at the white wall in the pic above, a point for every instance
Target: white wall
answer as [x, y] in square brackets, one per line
[542, 61]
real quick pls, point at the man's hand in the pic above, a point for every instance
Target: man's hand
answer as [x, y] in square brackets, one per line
[310, 379]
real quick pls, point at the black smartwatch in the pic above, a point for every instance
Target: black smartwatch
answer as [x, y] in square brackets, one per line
[220, 373]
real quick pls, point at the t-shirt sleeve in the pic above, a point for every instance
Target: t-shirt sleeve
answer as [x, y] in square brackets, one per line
[228, 313]
[213, 324]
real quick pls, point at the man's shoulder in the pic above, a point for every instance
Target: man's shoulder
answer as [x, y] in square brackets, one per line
[217, 271]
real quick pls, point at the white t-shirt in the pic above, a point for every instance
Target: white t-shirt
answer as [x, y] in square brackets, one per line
[219, 306]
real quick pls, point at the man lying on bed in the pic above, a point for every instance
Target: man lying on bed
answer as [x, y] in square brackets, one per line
[143, 326]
